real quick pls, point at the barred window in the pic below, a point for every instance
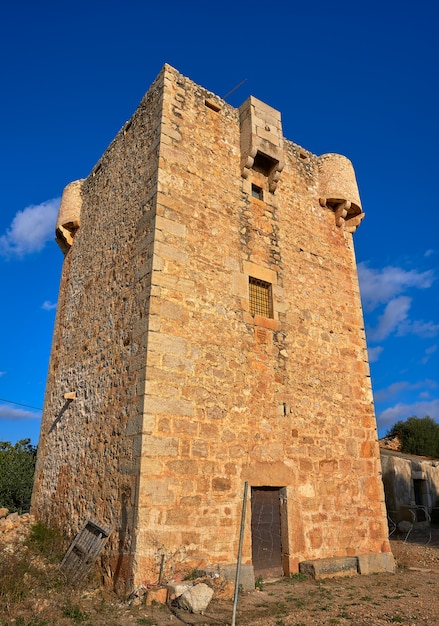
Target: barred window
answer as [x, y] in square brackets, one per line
[261, 302]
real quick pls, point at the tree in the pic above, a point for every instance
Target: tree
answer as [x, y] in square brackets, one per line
[418, 435]
[17, 467]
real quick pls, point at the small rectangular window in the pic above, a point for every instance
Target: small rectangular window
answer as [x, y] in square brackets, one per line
[211, 104]
[260, 295]
[257, 192]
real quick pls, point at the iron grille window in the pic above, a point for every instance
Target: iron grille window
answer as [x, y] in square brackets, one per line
[260, 298]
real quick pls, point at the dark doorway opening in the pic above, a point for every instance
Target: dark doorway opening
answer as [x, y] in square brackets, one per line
[266, 528]
[420, 488]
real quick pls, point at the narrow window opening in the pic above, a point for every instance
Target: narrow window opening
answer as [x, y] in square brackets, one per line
[260, 295]
[211, 104]
[96, 169]
[257, 192]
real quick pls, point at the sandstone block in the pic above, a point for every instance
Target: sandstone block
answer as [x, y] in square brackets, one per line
[329, 568]
[158, 596]
[376, 563]
[246, 575]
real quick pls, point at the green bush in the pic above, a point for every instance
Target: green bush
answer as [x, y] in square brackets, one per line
[17, 468]
[418, 436]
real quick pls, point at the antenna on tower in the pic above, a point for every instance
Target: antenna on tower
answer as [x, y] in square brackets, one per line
[234, 88]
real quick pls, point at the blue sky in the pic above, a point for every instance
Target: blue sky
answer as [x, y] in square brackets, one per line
[359, 79]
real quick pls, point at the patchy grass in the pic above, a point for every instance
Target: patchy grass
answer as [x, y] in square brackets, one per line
[75, 613]
[259, 583]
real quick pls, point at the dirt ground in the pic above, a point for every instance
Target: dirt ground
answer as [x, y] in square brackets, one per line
[407, 597]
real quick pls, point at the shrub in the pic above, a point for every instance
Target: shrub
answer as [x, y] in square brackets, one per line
[17, 468]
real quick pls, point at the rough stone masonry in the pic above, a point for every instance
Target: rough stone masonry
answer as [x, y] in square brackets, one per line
[209, 333]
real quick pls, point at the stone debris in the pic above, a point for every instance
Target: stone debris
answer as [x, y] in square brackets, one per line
[14, 528]
[196, 599]
[158, 595]
[137, 597]
[175, 590]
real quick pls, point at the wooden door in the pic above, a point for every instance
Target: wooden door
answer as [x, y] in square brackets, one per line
[266, 532]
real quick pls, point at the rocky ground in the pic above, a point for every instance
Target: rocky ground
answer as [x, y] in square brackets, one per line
[33, 593]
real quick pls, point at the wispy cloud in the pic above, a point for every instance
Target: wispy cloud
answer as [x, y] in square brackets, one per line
[378, 286]
[419, 328]
[396, 319]
[428, 352]
[391, 390]
[2, 374]
[394, 315]
[404, 385]
[48, 305]
[386, 287]
[374, 353]
[30, 229]
[16, 415]
[402, 411]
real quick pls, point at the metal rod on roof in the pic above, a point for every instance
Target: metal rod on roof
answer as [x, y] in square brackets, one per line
[234, 88]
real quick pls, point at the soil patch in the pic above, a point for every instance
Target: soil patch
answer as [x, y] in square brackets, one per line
[407, 597]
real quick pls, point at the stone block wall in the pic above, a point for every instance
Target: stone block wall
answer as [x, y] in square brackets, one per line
[89, 450]
[183, 392]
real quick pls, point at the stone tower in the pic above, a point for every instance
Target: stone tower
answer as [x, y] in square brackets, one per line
[209, 333]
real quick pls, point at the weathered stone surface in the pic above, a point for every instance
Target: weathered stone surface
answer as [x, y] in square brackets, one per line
[175, 590]
[3, 512]
[137, 597]
[197, 598]
[376, 563]
[329, 568]
[158, 596]
[15, 529]
[185, 390]
[246, 575]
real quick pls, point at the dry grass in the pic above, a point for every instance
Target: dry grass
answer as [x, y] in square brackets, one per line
[33, 592]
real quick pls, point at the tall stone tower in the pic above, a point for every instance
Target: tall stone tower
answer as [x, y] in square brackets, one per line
[210, 333]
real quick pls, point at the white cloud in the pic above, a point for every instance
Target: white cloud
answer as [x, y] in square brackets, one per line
[2, 374]
[394, 315]
[395, 388]
[15, 414]
[391, 390]
[30, 229]
[428, 352]
[402, 411]
[419, 328]
[48, 305]
[374, 353]
[378, 286]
